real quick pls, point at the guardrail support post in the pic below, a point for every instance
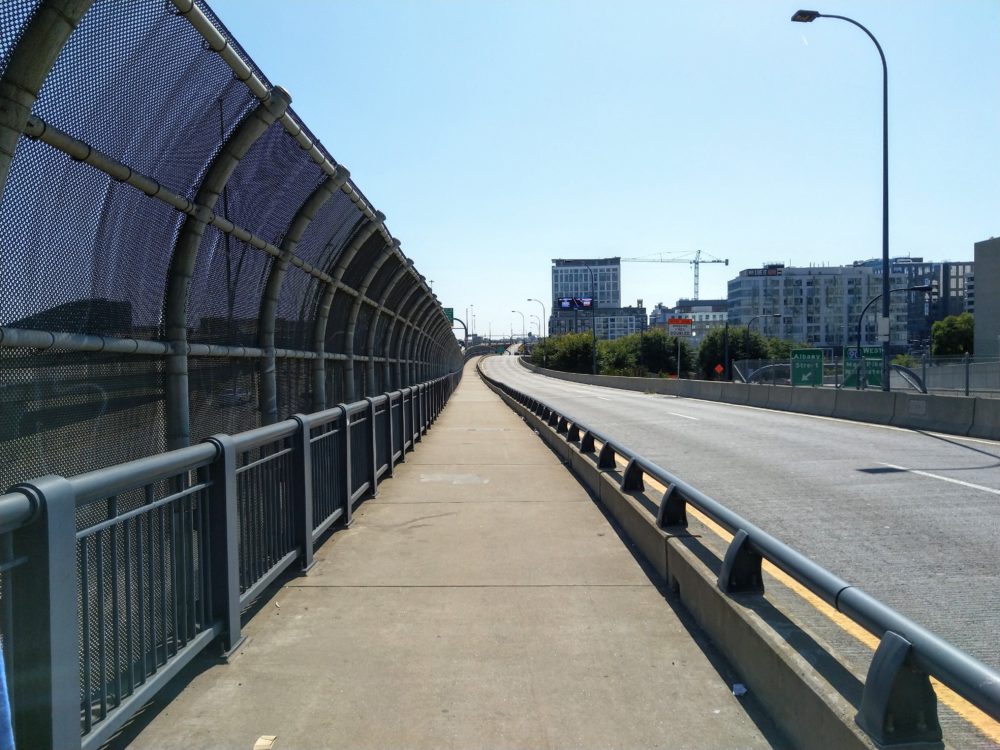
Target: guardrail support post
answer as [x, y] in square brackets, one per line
[632, 478]
[587, 442]
[303, 489]
[224, 548]
[572, 434]
[45, 679]
[740, 573]
[606, 458]
[898, 706]
[672, 510]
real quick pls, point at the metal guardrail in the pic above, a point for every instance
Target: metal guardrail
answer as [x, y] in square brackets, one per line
[907, 653]
[112, 581]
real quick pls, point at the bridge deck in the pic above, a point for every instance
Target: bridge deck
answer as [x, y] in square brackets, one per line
[481, 600]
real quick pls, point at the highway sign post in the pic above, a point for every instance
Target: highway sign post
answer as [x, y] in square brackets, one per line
[807, 367]
[871, 367]
[678, 327]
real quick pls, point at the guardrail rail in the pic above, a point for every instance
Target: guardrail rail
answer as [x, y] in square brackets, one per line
[898, 704]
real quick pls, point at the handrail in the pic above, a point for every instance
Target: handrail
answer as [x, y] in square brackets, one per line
[970, 678]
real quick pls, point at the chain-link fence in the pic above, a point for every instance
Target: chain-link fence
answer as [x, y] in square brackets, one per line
[947, 376]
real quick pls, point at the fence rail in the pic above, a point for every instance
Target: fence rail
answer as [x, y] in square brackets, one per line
[907, 653]
[158, 557]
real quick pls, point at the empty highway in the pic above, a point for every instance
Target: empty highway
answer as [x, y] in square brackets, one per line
[911, 517]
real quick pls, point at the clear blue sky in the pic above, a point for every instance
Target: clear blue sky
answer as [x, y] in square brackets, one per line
[496, 135]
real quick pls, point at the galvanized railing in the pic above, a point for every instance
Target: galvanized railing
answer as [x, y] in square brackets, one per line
[112, 581]
[898, 703]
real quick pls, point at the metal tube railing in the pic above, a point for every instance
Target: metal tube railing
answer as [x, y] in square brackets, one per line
[182, 541]
[970, 678]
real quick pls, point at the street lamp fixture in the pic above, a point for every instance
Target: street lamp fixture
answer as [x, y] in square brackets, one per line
[926, 288]
[746, 333]
[523, 336]
[593, 321]
[544, 356]
[808, 16]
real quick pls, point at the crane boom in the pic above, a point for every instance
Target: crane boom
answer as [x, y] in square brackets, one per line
[695, 262]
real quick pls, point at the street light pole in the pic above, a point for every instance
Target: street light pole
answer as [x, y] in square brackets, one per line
[593, 320]
[544, 356]
[746, 333]
[522, 322]
[857, 352]
[808, 16]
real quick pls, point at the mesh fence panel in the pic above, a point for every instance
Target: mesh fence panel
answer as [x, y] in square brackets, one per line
[67, 412]
[14, 15]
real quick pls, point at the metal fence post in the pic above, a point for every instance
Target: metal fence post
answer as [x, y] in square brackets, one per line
[302, 492]
[223, 523]
[46, 676]
[346, 456]
[966, 361]
[373, 446]
[389, 434]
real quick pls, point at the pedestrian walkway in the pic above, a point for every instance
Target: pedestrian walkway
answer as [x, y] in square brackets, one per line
[482, 600]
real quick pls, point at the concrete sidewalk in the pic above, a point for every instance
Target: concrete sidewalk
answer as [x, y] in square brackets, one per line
[482, 600]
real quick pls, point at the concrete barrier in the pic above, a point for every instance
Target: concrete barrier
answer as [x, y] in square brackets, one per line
[779, 397]
[709, 390]
[785, 679]
[938, 413]
[865, 406]
[757, 395]
[735, 393]
[986, 419]
[818, 401]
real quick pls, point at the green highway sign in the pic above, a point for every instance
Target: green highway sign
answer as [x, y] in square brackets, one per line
[449, 312]
[872, 366]
[807, 367]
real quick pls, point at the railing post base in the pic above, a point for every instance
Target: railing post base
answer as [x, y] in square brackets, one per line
[740, 573]
[898, 706]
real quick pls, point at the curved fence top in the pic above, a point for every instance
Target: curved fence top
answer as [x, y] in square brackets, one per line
[180, 255]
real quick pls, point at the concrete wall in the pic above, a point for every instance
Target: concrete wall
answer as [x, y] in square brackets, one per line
[954, 415]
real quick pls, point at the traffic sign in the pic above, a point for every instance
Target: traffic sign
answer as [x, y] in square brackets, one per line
[449, 313]
[719, 369]
[807, 367]
[679, 326]
[871, 366]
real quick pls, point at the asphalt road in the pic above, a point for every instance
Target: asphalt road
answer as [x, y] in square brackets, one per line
[911, 517]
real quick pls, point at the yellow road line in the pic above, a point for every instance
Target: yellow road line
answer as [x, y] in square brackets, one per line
[988, 726]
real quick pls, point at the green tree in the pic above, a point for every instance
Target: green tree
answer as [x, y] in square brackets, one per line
[620, 356]
[953, 335]
[571, 352]
[657, 352]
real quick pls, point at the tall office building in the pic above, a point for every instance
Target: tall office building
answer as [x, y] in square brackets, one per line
[819, 305]
[599, 279]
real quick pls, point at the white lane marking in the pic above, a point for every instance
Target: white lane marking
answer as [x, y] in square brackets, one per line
[603, 398]
[943, 479]
[683, 416]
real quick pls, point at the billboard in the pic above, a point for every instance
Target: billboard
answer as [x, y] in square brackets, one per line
[575, 303]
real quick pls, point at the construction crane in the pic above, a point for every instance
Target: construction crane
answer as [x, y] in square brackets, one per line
[696, 261]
